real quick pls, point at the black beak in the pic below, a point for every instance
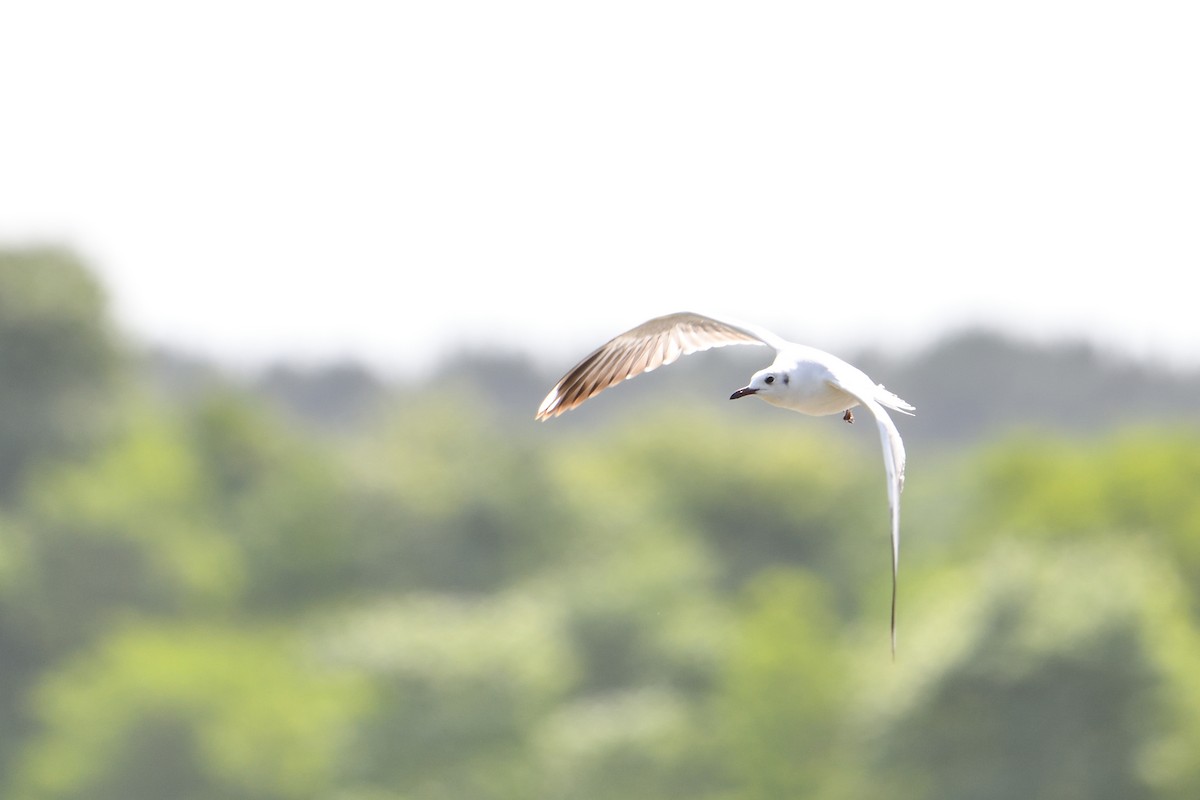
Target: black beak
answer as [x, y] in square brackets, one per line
[743, 393]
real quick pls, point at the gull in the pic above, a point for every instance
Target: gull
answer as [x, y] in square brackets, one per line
[801, 378]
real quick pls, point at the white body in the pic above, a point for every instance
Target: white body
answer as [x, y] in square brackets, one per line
[814, 380]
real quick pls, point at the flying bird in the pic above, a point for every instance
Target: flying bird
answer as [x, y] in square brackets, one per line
[801, 378]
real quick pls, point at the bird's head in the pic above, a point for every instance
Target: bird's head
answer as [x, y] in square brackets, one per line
[765, 383]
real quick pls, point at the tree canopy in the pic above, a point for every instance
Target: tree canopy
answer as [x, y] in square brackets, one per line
[215, 591]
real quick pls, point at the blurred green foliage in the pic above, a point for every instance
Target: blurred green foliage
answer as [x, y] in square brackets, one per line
[206, 599]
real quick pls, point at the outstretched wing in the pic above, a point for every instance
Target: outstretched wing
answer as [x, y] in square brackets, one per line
[649, 346]
[873, 398]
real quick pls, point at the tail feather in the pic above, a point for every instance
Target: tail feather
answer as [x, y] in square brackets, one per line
[893, 401]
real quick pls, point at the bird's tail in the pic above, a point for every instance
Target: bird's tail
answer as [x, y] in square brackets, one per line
[892, 401]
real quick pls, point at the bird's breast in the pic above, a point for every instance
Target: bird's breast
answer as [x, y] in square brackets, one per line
[816, 402]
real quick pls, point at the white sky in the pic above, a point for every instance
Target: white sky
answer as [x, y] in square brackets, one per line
[395, 180]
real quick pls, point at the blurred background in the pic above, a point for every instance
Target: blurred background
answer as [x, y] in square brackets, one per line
[281, 287]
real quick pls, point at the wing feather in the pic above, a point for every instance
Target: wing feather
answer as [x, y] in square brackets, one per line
[653, 344]
[893, 464]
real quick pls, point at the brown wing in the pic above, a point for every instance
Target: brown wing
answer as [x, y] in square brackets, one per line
[649, 346]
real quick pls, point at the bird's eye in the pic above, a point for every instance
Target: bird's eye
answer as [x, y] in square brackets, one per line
[770, 379]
